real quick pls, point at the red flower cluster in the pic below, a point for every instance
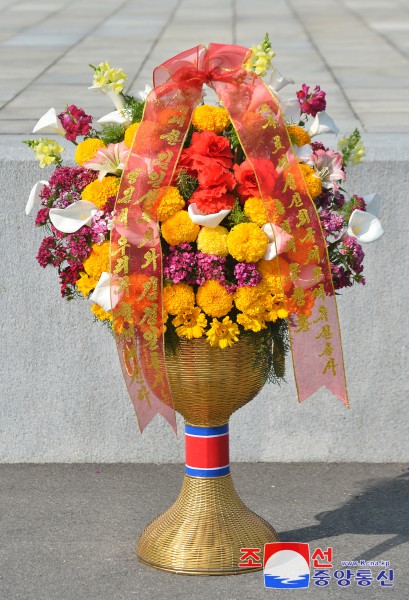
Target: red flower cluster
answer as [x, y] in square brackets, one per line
[210, 159]
[311, 102]
[75, 122]
[248, 183]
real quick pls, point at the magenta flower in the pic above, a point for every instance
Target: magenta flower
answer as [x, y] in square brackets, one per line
[75, 122]
[328, 165]
[311, 102]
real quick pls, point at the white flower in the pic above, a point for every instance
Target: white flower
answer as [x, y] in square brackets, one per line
[365, 225]
[143, 94]
[104, 294]
[201, 218]
[115, 116]
[34, 196]
[278, 239]
[278, 80]
[73, 217]
[322, 123]
[303, 153]
[50, 123]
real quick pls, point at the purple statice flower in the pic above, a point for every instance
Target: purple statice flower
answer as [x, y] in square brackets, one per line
[42, 217]
[68, 278]
[352, 249]
[318, 146]
[51, 252]
[313, 102]
[247, 275]
[65, 179]
[332, 222]
[339, 199]
[210, 266]
[75, 122]
[100, 226]
[180, 264]
[341, 278]
[77, 246]
[66, 198]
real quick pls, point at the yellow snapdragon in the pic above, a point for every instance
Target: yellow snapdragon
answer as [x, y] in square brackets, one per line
[261, 57]
[47, 151]
[109, 78]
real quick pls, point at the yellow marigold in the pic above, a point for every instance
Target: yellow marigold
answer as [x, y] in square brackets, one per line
[251, 300]
[276, 274]
[256, 210]
[101, 314]
[247, 243]
[130, 134]
[85, 284]
[180, 228]
[312, 181]
[251, 323]
[98, 261]
[214, 299]
[87, 149]
[98, 192]
[178, 298]
[210, 118]
[276, 307]
[223, 334]
[170, 203]
[213, 240]
[191, 323]
[298, 135]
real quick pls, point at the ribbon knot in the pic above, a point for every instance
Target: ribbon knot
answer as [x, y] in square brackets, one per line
[199, 65]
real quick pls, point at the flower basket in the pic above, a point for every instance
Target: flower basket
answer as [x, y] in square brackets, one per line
[209, 239]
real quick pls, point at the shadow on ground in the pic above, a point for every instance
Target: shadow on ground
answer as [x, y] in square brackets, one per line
[382, 508]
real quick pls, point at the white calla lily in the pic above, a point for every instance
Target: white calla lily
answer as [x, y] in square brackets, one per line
[303, 152]
[34, 196]
[278, 80]
[291, 109]
[201, 218]
[73, 217]
[143, 94]
[278, 240]
[104, 294]
[364, 226]
[50, 123]
[115, 116]
[322, 123]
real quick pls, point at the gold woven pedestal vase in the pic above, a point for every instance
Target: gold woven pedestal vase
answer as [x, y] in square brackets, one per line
[208, 525]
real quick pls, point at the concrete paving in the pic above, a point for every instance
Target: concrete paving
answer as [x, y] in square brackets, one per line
[68, 531]
[358, 50]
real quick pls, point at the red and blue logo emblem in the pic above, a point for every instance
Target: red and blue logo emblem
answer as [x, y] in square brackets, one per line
[286, 565]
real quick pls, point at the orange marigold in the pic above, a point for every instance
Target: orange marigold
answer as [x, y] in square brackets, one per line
[130, 134]
[312, 180]
[98, 261]
[210, 118]
[98, 191]
[214, 299]
[87, 149]
[298, 135]
[178, 297]
[179, 228]
[247, 243]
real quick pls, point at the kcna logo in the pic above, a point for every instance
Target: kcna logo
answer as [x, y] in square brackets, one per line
[286, 565]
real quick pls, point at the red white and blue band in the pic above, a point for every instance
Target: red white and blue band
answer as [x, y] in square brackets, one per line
[207, 451]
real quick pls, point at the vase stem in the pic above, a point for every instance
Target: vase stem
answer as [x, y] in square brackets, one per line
[207, 451]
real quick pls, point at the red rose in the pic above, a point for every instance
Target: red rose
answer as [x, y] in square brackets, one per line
[214, 174]
[212, 200]
[215, 183]
[247, 180]
[206, 147]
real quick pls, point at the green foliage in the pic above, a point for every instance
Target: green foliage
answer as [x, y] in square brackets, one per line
[172, 340]
[233, 137]
[112, 133]
[133, 109]
[186, 184]
[237, 215]
[188, 137]
[281, 346]
[266, 44]
[352, 148]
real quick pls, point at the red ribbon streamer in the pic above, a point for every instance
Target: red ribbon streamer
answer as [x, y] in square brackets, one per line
[136, 257]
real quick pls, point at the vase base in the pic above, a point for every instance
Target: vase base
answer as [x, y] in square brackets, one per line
[204, 531]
